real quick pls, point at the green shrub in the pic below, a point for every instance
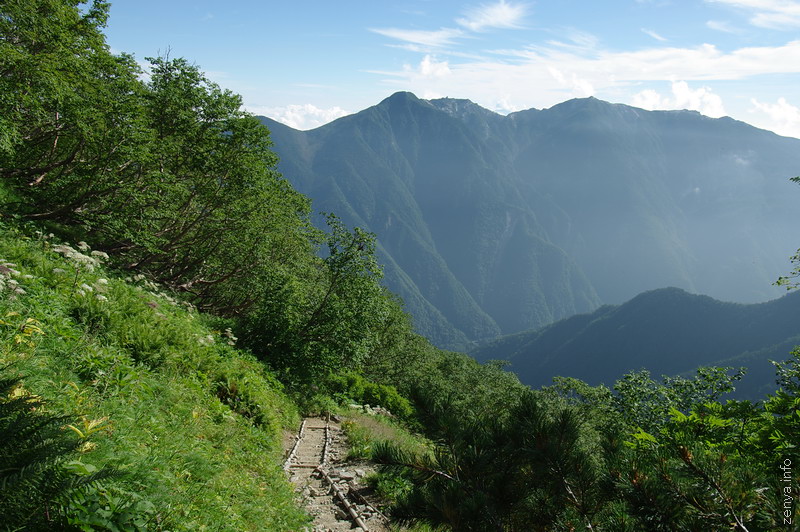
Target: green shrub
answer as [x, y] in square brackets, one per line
[318, 404]
[353, 387]
[245, 386]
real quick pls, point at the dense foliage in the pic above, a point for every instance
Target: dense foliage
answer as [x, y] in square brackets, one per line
[635, 458]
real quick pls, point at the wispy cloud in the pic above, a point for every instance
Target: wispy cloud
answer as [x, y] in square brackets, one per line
[723, 26]
[704, 62]
[486, 16]
[499, 15]
[653, 34]
[771, 14]
[576, 40]
[428, 38]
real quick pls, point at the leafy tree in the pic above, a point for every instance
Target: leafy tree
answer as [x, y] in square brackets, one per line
[212, 213]
[645, 403]
[328, 314]
[170, 174]
[63, 95]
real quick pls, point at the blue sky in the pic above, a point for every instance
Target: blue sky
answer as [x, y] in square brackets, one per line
[308, 62]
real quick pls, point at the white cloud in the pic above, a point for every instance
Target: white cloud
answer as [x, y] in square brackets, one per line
[701, 99]
[780, 117]
[648, 99]
[772, 14]
[578, 64]
[653, 34]
[430, 67]
[434, 38]
[504, 106]
[499, 15]
[723, 26]
[705, 62]
[545, 75]
[580, 87]
[305, 116]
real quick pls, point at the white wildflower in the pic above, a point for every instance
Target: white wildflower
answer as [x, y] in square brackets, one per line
[206, 340]
[83, 246]
[80, 292]
[59, 270]
[27, 276]
[101, 297]
[76, 256]
[99, 255]
[231, 338]
[19, 290]
[86, 288]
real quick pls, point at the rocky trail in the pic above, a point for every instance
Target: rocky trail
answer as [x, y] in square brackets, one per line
[331, 488]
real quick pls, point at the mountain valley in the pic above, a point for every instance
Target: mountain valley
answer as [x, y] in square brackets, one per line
[490, 225]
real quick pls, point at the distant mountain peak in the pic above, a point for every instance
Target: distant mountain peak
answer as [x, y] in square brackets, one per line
[461, 108]
[400, 97]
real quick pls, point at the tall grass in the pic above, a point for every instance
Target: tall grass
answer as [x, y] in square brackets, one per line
[191, 422]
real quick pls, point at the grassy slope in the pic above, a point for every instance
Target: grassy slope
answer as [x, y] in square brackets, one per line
[195, 422]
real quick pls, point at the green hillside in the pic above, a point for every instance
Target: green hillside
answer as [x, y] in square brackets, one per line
[191, 424]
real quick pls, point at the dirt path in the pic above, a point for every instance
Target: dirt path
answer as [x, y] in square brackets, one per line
[317, 467]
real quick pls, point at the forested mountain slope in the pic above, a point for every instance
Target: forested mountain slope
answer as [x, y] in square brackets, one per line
[493, 224]
[666, 331]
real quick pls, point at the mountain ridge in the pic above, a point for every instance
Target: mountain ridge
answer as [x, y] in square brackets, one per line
[492, 224]
[667, 331]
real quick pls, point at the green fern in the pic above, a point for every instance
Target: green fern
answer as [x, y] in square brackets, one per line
[34, 482]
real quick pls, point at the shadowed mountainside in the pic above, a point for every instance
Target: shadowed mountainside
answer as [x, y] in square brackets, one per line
[490, 225]
[666, 331]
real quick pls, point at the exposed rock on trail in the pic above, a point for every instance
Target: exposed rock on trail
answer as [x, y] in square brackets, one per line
[329, 487]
